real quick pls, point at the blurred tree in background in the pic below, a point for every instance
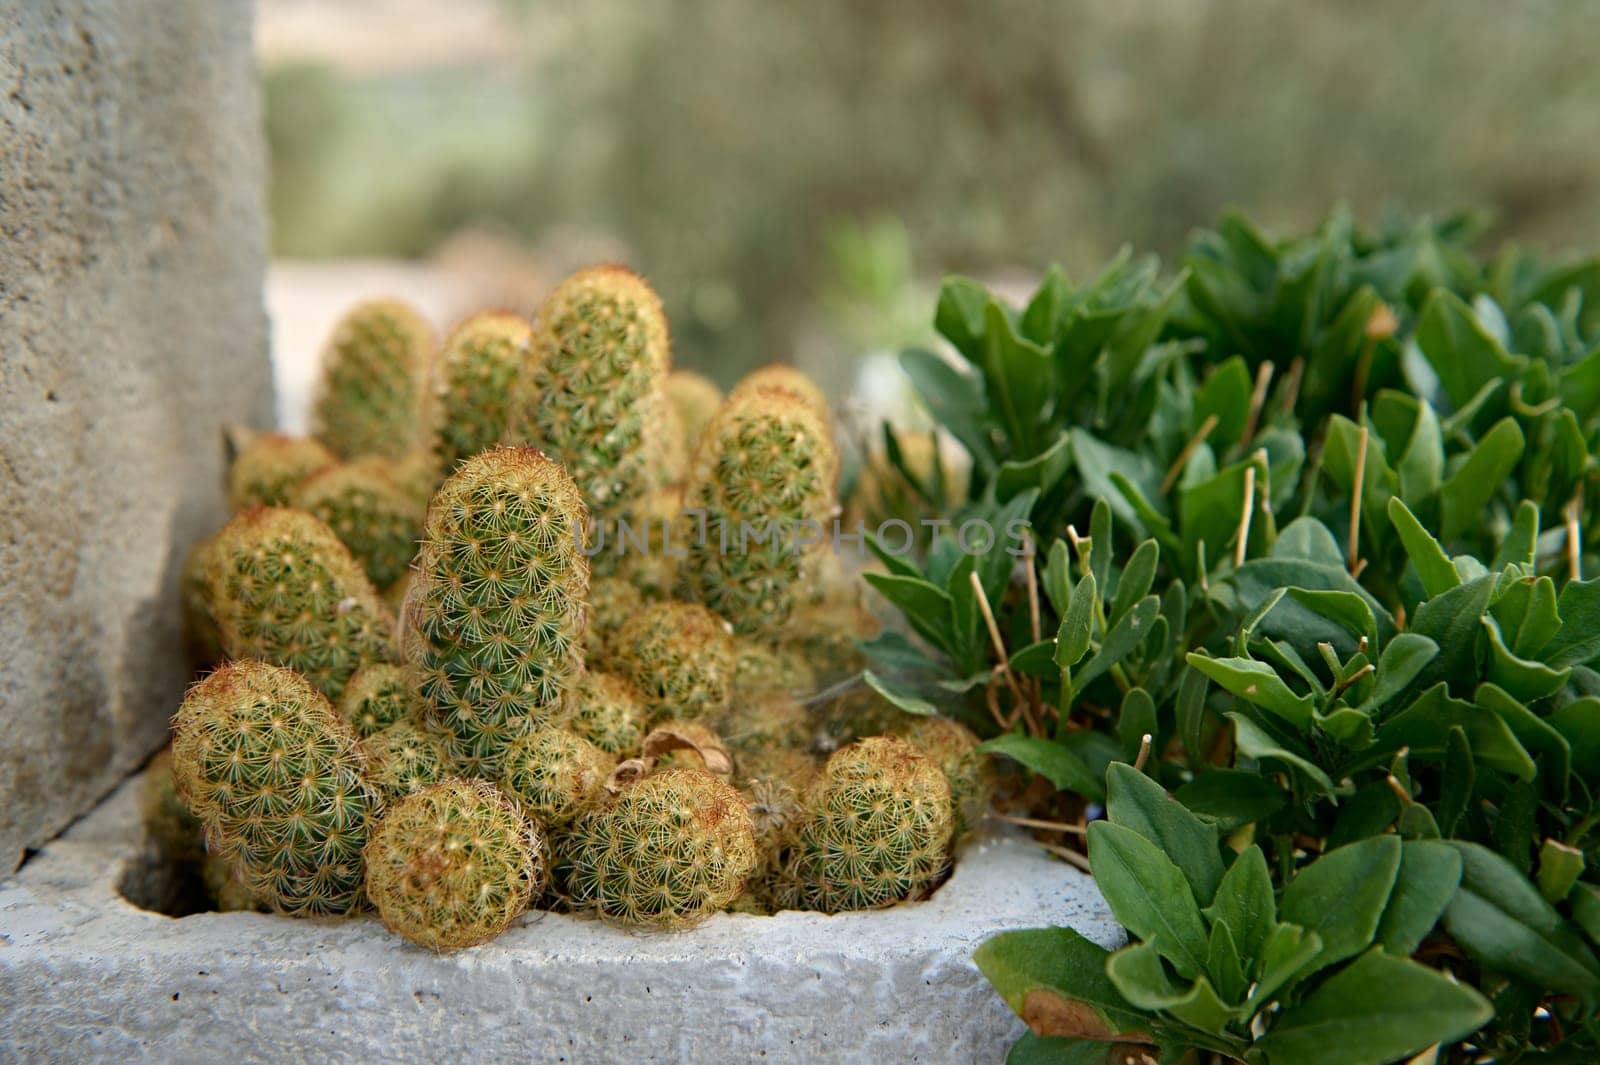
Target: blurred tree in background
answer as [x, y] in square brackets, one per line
[756, 156]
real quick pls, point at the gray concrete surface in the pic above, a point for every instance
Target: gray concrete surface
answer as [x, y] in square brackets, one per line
[132, 252]
[87, 977]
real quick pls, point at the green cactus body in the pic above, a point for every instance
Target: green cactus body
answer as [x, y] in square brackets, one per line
[556, 774]
[761, 485]
[201, 637]
[774, 784]
[268, 469]
[768, 722]
[475, 384]
[672, 849]
[224, 883]
[369, 398]
[829, 636]
[454, 864]
[761, 670]
[612, 601]
[496, 608]
[786, 379]
[681, 657]
[695, 399]
[377, 519]
[378, 696]
[600, 352]
[285, 589]
[875, 830]
[954, 749]
[404, 758]
[171, 826]
[609, 712]
[274, 775]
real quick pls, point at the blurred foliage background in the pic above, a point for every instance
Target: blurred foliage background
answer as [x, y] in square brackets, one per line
[796, 177]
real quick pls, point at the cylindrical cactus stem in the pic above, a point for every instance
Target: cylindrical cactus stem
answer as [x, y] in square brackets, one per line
[875, 830]
[275, 778]
[454, 864]
[497, 603]
[283, 588]
[369, 398]
[556, 774]
[760, 492]
[475, 384]
[695, 399]
[681, 656]
[600, 353]
[368, 509]
[673, 848]
[268, 467]
[609, 712]
[404, 758]
[788, 379]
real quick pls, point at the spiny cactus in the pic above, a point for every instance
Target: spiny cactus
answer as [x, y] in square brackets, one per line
[369, 397]
[695, 399]
[377, 519]
[768, 722]
[788, 379]
[201, 638]
[274, 775]
[600, 351]
[829, 636]
[612, 601]
[454, 864]
[774, 784]
[171, 826]
[474, 385]
[609, 712]
[875, 830]
[672, 849]
[556, 774]
[664, 441]
[283, 588]
[761, 670]
[680, 655]
[403, 758]
[270, 466]
[378, 696]
[761, 483]
[497, 602]
[224, 883]
[954, 749]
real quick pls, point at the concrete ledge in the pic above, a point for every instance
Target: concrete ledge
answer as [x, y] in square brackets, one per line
[87, 976]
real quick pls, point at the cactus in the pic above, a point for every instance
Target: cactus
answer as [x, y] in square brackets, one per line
[404, 758]
[600, 351]
[954, 749]
[474, 385]
[680, 655]
[171, 826]
[274, 776]
[665, 442]
[774, 785]
[612, 601]
[761, 483]
[556, 774]
[224, 883]
[369, 397]
[201, 637]
[875, 830]
[375, 517]
[378, 696]
[497, 602]
[769, 722]
[670, 850]
[609, 712]
[284, 588]
[761, 670]
[695, 399]
[454, 864]
[269, 467]
[829, 636]
[788, 379]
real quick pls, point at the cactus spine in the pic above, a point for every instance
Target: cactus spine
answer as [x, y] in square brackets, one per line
[474, 385]
[695, 399]
[671, 850]
[368, 401]
[283, 588]
[556, 774]
[270, 466]
[454, 864]
[497, 602]
[954, 749]
[274, 776]
[609, 712]
[404, 758]
[680, 655]
[378, 696]
[377, 519]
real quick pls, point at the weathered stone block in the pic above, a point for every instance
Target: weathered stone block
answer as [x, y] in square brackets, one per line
[132, 252]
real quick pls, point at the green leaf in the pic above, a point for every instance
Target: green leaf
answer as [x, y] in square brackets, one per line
[1527, 680]
[1140, 975]
[1579, 723]
[1578, 642]
[1191, 711]
[1522, 541]
[1450, 620]
[1225, 393]
[1136, 718]
[1350, 611]
[1134, 583]
[1136, 802]
[1097, 461]
[1378, 1009]
[1403, 660]
[1232, 797]
[959, 316]
[1057, 577]
[1433, 565]
[955, 399]
[1429, 874]
[1077, 627]
[1342, 895]
[1499, 918]
[1244, 902]
[1253, 741]
[904, 700]
[1533, 733]
[1559, 869]
[1125, 636]
[1466, 495]
[1425, 726]
[1223, 965]
[1258, 684]
[1050, 760]
[926, 607]
[1060, 1050]
[1463, 353]
[1528, 615]
[1287, 954]
[1148, 894]
[1586, 909]
[1456, 781]
[1056, 981]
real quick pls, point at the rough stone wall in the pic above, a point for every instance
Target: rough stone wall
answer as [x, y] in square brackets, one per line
[132, 252]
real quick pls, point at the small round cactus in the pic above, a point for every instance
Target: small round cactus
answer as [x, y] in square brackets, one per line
[474, 385]
[369, 398]
[270, 466]
[556, 774]
[378, 696]
[275, 778]
[829, 636]
[201, 637]
[454, 864]
[954, 749]
[609, 712]
[761, 670]
[497, 604]
[612, 601]
[875, 830]
[695, 399]
[171, 826]
[672, 849]
[284, 588]
[680, 655]
[376, 518]
[769, 722]
[403, 758]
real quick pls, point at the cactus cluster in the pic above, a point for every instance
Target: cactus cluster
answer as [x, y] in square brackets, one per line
[425, 703]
